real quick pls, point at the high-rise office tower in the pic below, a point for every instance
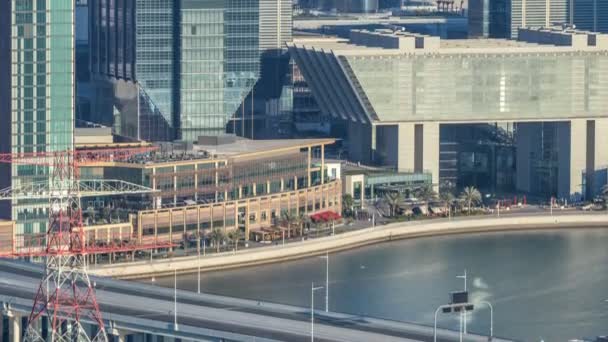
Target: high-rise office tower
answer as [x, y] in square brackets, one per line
[36, 95]
[591, 15]
[502, 18]
[275, 24]
[166, 70]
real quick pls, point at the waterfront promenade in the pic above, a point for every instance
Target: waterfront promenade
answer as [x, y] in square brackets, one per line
[353, 239]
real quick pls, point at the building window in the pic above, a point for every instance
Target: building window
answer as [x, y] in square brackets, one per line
[357, 190]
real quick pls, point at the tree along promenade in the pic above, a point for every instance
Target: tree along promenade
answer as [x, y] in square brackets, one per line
[347, 240]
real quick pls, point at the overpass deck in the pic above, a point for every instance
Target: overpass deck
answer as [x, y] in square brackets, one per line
[142, 308]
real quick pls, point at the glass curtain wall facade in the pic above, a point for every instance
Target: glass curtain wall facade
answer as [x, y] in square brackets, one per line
[484, 87]
[591, 15]
[194, 61]
[489, 18]
[275, 24]
[538, 13]
[502, 18]
[41, 110]
[242, 56]
[202, 69]
[154, 67]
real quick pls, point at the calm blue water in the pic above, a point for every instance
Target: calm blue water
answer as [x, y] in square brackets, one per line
[547, 285]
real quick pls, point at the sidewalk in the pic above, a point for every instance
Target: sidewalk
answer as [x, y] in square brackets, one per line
[351, 239]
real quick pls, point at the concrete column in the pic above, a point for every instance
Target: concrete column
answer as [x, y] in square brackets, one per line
[406, 147]
[175, 186]
[418, 148]
[578, 156]
[322, 163]
[309, 171]
[430, 151]
[597, 157]
[14, 322]
[121, 336]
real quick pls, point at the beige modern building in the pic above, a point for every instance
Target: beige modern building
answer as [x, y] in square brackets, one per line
[225, 184]
[393, 91]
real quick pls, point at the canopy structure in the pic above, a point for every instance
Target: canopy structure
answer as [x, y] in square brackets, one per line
[86, 188]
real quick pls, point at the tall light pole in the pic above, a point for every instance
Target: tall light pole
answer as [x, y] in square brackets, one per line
[175, 327]
[491, 318]
[312, 310]
[464, 312]
[498, 207]
[199, 274]
[326, 257]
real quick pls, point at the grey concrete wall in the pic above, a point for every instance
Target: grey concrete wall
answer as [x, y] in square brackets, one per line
[578, 156]
[430, 151]
[418, 148]
[406, 147]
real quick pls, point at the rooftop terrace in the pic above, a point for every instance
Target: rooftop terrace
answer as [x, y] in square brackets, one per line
[233, 148]
[388, 42]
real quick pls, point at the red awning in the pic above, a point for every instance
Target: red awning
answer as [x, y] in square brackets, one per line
[325, 216]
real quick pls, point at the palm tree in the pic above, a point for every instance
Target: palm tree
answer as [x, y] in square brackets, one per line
[290, 219]
[447, 197]
[217, 236]
[605, 195]
[393, 199]
[426, 193]
[347, 204]
[470, 195]
[304, 221]
[235, 236]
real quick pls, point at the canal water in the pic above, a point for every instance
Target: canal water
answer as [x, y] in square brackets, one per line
[544, 285]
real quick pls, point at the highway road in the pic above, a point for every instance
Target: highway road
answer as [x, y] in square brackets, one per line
[208, 315]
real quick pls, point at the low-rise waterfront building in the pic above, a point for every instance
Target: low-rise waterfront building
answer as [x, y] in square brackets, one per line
[365, 183]
[222, 183]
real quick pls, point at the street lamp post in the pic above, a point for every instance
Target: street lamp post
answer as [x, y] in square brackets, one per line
[326, 257]
[198, 287]
[498, 208]
[312, 310]
[464, 312]
[175, 326]
[491, 318]
[462, 307]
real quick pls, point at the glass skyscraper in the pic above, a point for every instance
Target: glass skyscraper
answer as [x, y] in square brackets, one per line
[502, 18]
[36, 95]
[194, 63]
[591, 15]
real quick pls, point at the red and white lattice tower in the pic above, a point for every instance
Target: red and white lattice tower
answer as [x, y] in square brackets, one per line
[65, 294]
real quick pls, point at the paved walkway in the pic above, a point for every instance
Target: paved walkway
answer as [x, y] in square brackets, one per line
[275, 253]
